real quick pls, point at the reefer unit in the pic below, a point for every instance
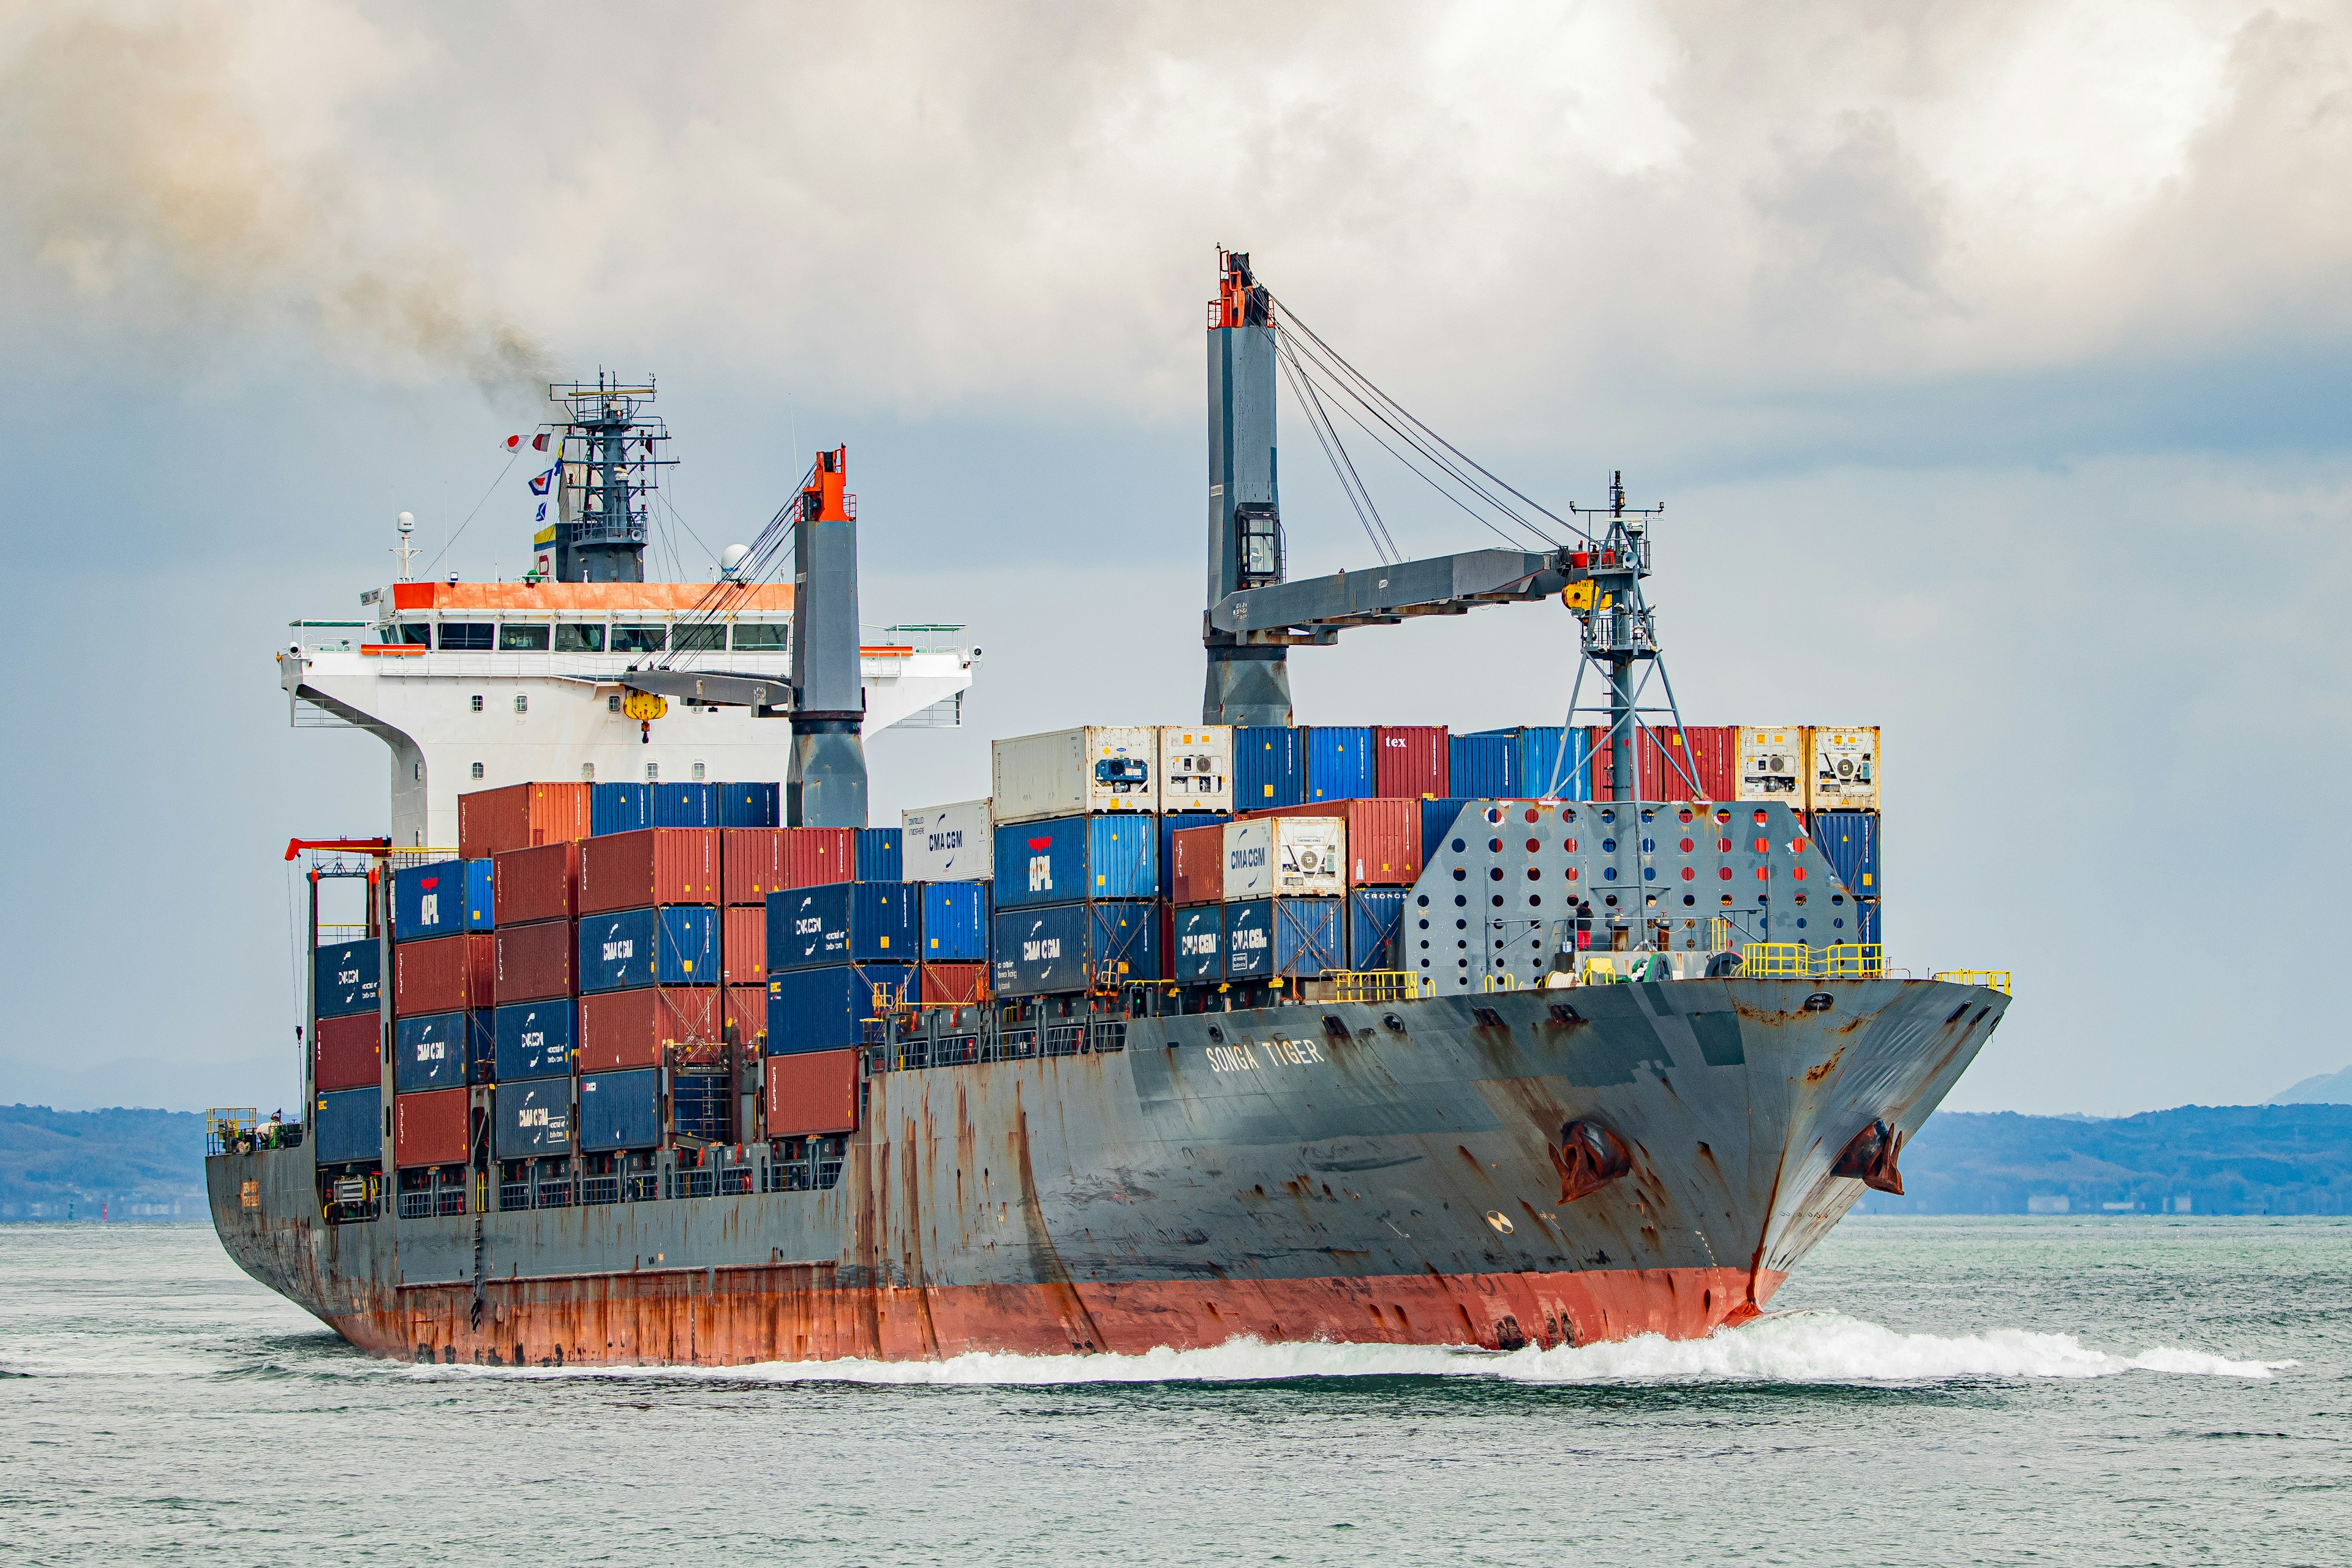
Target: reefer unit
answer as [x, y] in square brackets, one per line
[347, 977]
[1771, 763]
[432, 1051]
[1410, 760]
[541, 884]
[1339, 763]
[1850, 840]
[1269, 769]
[748, 805]
[1844, 771]
[446, 975]
[533, 962]
[955, 922]
[1286, 857]
[827, 1009]
[441, 898]
[676, 945]
[843, 922]
[948, 843]
[534, 1119]
[1060, 860]
[1295, 938]
[535, 1039]
[651, 865]
[1066, 772]
[344, 1053]
[1196, 768]
[1383, 838]
[620, 1111]
[491, 821]
[432, 1129]
[348, 1126]
[1075, 947]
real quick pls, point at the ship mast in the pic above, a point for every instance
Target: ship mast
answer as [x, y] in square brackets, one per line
[606, 472]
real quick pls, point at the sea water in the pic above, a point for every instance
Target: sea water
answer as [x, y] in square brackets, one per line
[1929, 1391]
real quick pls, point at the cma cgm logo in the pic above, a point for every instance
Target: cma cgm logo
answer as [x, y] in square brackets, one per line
[431, 1051]
[952, 838]
[1200, 944]
[1250, 939]
[614, 952]
[1041, 868]
[1040, 950]
[531, 1116]
[1246, 858]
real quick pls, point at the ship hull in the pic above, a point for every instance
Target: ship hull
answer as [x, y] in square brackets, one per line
[1344, 1172]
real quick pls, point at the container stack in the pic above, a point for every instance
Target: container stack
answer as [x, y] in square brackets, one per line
[444, 958]
[1075, 894]
[649, 967]
[841, 938]
[346, 1046]
[535, 1030]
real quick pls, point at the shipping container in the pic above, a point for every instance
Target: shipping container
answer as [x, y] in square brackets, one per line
[619, 808]
[1771, 764]
[1075, 947]
[347, 1126]
[1269, 769]
[1297, 938]
[1196, 768]
[438, 900]
[651, 865]
[447, 975]
[751, 864]
[1196, 865]
[953, 984]
[1844, 773]
[815, 857]
[1061, 860]
[1697, 762]
[955, 922]
[1409, 760]
[1339, 763]
[1375, 916]
[492, 821]
[536, 1039]
[843, 922]
[825, 1009]
[813, 1095]
[634, 1028]
[1072, 773]
[1545, 773]
[881, 854]
[743, 947]
[1286, 857]
[620, 1111]
[702, 1105]
[542, 884]
[750, 805]
[347, 977]
[1850, 840]
[429, 1052]
[432, 1129]
[534, 1119]
[676, 944]
[1485, 765]
[744, 1016]
[533, 962]
[1197, 953]
[1437, 820]
[683, 804]
[1175, 822]
[1383, 838]
[948, 843]
[345, 1052]
[1867, 922]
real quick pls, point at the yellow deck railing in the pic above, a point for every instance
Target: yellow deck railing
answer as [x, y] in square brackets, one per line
[1375, 984]
[1796, 961]
[1991, 978]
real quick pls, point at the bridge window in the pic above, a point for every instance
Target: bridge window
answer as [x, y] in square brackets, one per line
[522, 703]
[698, 639]
[522, 639]
[570, 636]
[478, 704]
[477, 770]
[587, 772]
[413, 634]
[698, 773]
[652, 772]
[639, 640]
[767, 637]
[466, 637]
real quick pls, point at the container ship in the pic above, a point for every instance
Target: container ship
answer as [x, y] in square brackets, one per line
[637, 1042]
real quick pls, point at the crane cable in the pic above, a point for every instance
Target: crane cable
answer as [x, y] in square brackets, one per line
[1335, 452]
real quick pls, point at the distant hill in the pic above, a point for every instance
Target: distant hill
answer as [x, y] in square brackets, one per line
[2327, 1089]
[142, 1164]
[2200, 1159]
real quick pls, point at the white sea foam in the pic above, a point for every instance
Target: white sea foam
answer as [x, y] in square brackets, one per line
[1793, 1347]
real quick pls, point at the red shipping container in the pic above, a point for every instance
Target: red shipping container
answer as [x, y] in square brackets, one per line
[1196, 864]
[344, 1053]
[816, 855]
[751, 863]
[1383, 838]
[1410, 761]
[493, 821]
[1710, 751]
[534, 962]
[632, 1028]
[541, 884]
[446, 975]
[744, 948]
[954, 984]
[743, 1016]
[812, 1094]
[650, 866]
[434, 1128]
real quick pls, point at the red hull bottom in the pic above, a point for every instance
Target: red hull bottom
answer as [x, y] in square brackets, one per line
[727, 1317]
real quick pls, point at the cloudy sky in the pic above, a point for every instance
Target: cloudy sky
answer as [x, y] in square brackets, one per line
[1990, 361]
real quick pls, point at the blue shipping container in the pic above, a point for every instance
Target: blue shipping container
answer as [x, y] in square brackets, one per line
[881, 854]
[826, 1009]
[347, 977]
[1542, 772]
[1199, 953]
[1267, 767]
[618, 808]
[1374, 917]
[748, 805]
[676, 944]
[1169, 825]
[1061, 861]
[429, 1052]
[1299, 937]
[682, 806]
[843, 922]
[431, 900]
[620, 1111]
[348, 1125]
[1074, 947]
[955, 922]
[1850, 840]
[1487, 764]
[699, 1106]
[1437, 818]
[534, 1118]
[1867, 913]
[1339, 763]
[536, 1039]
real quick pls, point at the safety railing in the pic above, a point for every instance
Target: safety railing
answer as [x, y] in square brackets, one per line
[227, 1126]
[1378, 985]
[1853, 961]
[1505, 981]
[1991, 978]
[597, 1190]
[1796, 961]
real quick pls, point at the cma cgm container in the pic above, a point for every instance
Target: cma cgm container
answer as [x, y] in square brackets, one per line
[948, 843]
[433, 1051]
[684, 805]
[347, 977]
[344, 1053]
[433, 1129]
[743, 947]
[532, 962]
[534, 1119]
[812, 1095]
[619, 808]
[1063, 859]
[492, 821]
[748, 805]
[675, 945]
[441, 898]
[1375, 916]
[1075, 947]
[1196, 864]
[881, 856]
[843, 922]
[1269, 769]
[955, 922]
[348, 1126]
[541, 884]
[1844, 773]
[1409, 760]
[634, 1028]
[535, 1039]
[1295, 938]
[620, 1111]
[1485, 765]
[1197, 953]
[1286, 857]
[1069, 772]
[651, 865]
[1339, 763]
[1850, 839]
[1196, 768]
[1383, 838]
[826, 1009]
[1770, 762]
[447, 975]
[816, 856]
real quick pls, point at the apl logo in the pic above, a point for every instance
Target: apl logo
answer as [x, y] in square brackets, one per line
[1041, 866]
[428, 909]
